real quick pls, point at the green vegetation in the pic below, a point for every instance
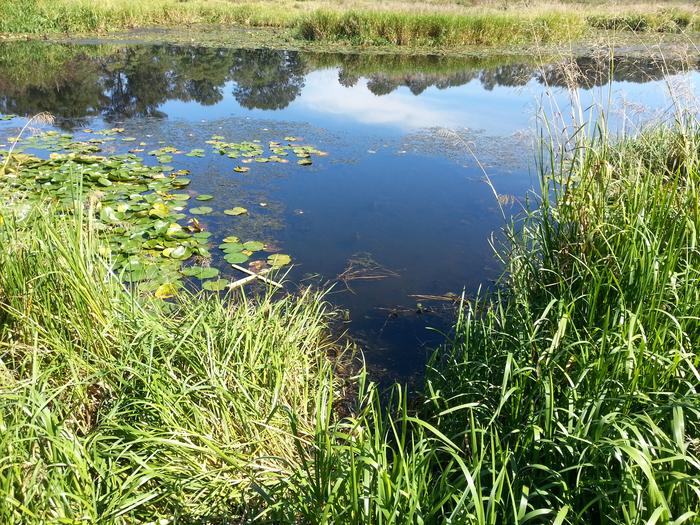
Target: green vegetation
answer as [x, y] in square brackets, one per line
[140, 208]
[569, 396]
[432, 25]
[405, 29]
[114, 410]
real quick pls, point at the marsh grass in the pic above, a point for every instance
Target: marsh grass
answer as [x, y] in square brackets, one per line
[436, 24]
[114, 409]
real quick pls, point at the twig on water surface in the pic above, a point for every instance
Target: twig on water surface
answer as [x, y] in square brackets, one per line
[362, 267]
[251, 277]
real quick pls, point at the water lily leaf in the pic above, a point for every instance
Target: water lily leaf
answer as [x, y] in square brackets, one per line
[241, 169]
[231, 238]
[236, 257]
[253, 246]
[238, 210]
[178, 252]
[180, 182]
[159, 210]
[173, 229]
[108, 215]
[215, 286]
[195, 153]
[204, 197]
[201, 210]
[278, 260]
[304, 162]
[166, 290]
[230, 247]
[200, 272]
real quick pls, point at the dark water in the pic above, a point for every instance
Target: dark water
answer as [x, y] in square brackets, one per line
[401, 200]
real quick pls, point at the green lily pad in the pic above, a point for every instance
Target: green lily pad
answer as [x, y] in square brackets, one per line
[277, 260]
[159, 210]
[253, 246]
[230, 247]
[236, 258]
[241, 169]
[215, 286]
[201, 210]
[231, 238]
[238, 210]
[304, 162]
[180, 182]
[204, 197]
[166, 290]
[200, 272]
[178, 252]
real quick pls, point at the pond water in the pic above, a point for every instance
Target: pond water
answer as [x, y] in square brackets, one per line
[400, 207]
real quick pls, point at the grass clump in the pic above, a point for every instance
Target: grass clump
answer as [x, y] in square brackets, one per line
[116, 410]
[578, 386]
[406, 29]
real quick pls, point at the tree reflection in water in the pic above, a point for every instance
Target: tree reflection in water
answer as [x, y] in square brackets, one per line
[78, 82]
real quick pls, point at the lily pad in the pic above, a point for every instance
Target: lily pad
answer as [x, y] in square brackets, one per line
[204, 197]
[238, 210]
[230, 247]
[278, 260]
[200, 272]
[231, 238]
[201, 210]
[180, 182]
[253, 246]
[166, 290]
[236, 257]
[215, 286]
[241, 169]
[178, 252]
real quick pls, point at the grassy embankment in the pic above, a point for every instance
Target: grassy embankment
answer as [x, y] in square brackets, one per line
[570, 397]
[437, 24]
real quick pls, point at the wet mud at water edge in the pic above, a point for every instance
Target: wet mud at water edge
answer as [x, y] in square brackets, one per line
[412, 166]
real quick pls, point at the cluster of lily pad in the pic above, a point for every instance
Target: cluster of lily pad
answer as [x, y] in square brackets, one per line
[254, 151]
[140, 208]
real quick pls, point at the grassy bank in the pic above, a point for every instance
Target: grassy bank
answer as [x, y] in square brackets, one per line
[571, 396]
[437, 24]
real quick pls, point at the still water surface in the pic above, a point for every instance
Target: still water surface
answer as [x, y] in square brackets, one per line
[401, 199]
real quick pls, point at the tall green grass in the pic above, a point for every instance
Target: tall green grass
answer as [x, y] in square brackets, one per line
[397, 23]
[115, 410]
[580, 381]
[407, 29]
[571, 395]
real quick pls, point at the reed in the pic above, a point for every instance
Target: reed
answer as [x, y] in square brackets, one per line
[432, 25]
